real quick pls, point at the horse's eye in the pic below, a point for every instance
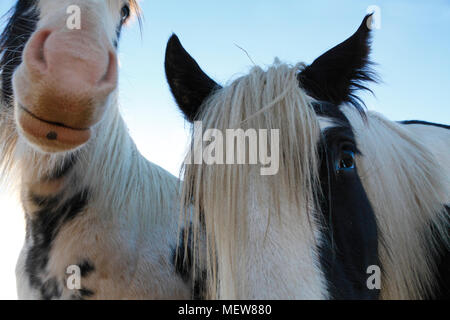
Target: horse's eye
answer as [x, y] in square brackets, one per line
[125, 12]
[346, 161]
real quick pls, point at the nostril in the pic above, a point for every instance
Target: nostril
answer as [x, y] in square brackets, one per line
[35, 53]
[110, 77]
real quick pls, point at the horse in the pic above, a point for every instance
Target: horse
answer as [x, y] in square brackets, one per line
[101, 221]
[359, 206]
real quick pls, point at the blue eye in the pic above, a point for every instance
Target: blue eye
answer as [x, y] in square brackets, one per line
[346, 161]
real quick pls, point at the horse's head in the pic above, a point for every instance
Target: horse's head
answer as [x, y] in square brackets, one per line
[59, 68]
[309, 231]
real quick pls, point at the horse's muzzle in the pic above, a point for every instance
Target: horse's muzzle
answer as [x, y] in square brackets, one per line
[62, 87]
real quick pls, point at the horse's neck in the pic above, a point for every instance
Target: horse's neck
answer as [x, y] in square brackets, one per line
[406, 177]
[437, 141]
[117, 178]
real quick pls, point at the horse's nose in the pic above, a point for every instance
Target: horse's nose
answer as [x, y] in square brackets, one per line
[63, 86]
[70, 74]
[69, 56]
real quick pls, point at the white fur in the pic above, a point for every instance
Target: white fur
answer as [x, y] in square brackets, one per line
[129, 228]
[252, 221]
[405, 172]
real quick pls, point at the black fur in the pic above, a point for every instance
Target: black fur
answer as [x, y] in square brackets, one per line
[333, 77]
[21, 24]
[190, 86]
[350, 238]
[42, 230]
[86, 268]
[183, 260]
[330, 111]
[425, 123]
[338, 73]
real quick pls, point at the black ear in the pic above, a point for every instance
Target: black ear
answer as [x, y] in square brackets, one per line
[189, 84]
[338, 73]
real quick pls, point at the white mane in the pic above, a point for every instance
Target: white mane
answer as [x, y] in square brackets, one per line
[228, 193]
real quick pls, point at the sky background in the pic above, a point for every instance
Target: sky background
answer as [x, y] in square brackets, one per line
[411, 49]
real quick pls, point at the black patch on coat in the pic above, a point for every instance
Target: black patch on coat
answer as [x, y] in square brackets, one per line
[182, 258]
[425, 123]
[44, 227]
[23, 18]
[86, 268]
[330, 111]
[349, 240]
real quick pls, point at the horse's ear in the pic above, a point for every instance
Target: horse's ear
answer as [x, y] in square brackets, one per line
[335, 75]
[190, 86]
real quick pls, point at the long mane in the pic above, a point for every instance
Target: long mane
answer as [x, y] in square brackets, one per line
[270, 99]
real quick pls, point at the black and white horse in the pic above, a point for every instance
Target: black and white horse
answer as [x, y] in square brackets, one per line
[355, 194]
[95, 208]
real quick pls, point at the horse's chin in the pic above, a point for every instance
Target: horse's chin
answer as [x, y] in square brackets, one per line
[49, 137]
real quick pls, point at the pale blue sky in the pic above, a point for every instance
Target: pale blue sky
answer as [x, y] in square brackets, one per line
[412, 50]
